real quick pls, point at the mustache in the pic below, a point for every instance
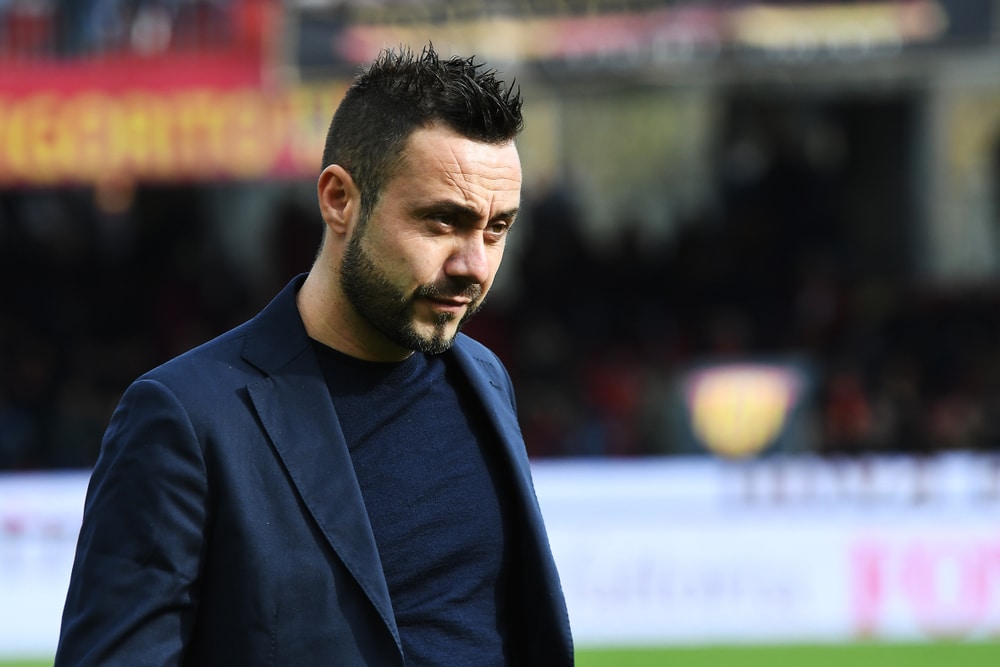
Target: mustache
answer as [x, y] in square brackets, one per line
[450, 289]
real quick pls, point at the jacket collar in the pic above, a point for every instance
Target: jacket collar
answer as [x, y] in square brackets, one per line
[276, 336]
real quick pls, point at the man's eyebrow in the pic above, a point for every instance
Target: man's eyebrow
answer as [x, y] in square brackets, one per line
[507, 215]
[462, 211]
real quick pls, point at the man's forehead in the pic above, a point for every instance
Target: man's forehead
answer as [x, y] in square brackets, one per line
[455, 162]
[450, 147]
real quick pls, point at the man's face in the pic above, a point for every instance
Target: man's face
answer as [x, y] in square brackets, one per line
[422, 264]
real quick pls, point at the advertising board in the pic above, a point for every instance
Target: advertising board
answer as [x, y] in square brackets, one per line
[674, 551]
[657, 552]
[155, 134]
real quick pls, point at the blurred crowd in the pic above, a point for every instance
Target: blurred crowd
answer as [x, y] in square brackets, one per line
[41, 29]
[99, 286]
[603, 334]
[92, 296]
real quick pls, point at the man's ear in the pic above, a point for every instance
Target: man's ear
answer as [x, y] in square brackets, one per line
[339, 199]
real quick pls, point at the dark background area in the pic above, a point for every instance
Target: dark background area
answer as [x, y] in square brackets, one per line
[809, 249]
[806, 255]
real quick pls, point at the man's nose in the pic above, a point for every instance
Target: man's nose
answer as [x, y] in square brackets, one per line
[469, 259]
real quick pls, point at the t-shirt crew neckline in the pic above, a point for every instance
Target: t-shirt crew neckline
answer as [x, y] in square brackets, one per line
[370, 372]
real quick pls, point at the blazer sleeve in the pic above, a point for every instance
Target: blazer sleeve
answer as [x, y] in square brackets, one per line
[133, 591]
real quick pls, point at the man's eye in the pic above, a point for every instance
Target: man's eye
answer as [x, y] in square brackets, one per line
[498, 229]
[442, 219]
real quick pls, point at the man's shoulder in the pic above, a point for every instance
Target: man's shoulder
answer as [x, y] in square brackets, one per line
[213, 359]
[262, 343]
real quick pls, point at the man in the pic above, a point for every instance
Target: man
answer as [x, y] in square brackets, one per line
[341, 480]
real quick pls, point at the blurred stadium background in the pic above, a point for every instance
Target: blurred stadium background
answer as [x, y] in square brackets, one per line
[752, 307]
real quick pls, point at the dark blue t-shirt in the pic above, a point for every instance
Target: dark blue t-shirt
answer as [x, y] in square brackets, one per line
[427, 462]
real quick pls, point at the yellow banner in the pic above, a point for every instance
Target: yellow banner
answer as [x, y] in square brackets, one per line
[52, 137]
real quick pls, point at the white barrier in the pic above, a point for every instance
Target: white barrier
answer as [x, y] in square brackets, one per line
[667, 551]
[39, 523]
[661, 551]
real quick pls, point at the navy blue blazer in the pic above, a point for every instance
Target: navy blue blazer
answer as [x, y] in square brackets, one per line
[224, 524]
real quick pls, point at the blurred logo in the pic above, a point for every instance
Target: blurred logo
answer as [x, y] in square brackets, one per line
[738, 410]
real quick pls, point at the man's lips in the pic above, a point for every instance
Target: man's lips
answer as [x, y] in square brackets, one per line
[452, 298]
[450, 304]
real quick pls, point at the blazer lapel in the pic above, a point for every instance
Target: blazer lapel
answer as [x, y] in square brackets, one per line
[550, 640]
[491, 385]
[294, 406]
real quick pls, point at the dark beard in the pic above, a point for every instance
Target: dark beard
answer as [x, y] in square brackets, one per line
[389, 310]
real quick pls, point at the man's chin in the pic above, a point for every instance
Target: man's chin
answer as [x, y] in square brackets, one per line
[430, 339]
[433, 345]
[440, 342]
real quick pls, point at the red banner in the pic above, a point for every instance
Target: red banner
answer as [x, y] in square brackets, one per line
[200, 134]
[85, 46]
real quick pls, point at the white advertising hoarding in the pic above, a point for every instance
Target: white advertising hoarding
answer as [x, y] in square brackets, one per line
[39, 523]
[668, 551]
[674, 551]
